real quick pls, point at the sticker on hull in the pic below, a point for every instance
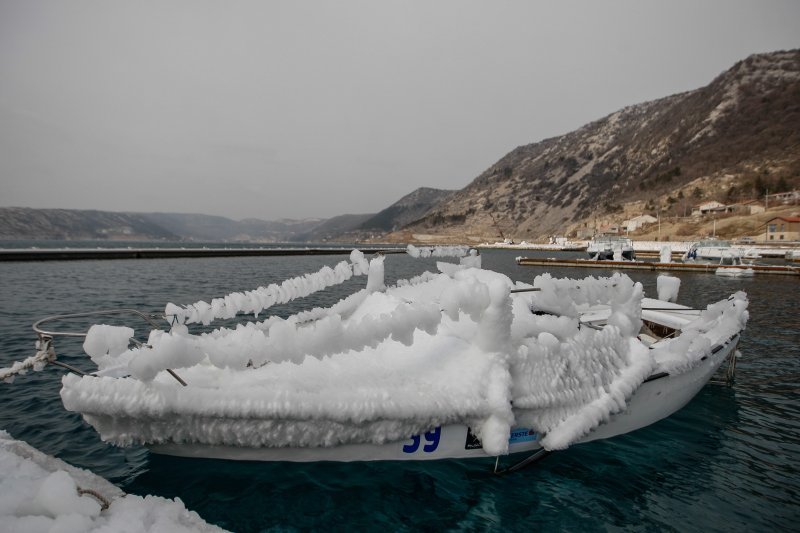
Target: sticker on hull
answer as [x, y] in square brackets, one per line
[516, 436]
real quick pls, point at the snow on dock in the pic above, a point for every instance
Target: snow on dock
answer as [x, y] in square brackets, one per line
[40, 493]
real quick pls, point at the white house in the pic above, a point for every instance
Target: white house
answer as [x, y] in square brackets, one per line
[638, 222]
[608, 229]
[750, 207]
[784, 197]
[708, 207]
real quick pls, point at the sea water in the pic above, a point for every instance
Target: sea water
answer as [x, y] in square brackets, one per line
[727, 461]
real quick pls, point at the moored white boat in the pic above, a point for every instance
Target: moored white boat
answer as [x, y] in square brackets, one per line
[735, 272]
[731, 266]
[713, 250]
[611, 248]
[457, 364]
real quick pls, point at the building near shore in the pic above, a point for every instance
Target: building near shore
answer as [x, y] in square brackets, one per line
[784, 229]
[635, 223]
[790, 197]
[708, 207]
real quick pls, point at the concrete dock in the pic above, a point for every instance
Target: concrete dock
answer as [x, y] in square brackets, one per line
[653, 266]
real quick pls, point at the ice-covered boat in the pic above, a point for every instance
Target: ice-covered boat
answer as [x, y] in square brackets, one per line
[455, 364]
[713, 250]
[611, 248]
[733, 267]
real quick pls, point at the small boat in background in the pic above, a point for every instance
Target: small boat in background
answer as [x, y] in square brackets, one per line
[711, 250]
[565, 245]
[570, 246]
[735, 272]
[731, 266]
[610, 248]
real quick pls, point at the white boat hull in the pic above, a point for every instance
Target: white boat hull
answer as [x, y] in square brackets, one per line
[734, 272]
[657, 398]
[660, 397]
[452, 442]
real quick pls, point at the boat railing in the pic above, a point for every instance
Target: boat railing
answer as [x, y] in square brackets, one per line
[46, 350]
[37, 326]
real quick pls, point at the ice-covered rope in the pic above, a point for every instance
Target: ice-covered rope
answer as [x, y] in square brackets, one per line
[264, 297]
[35, 362]
[437, 251]
[288, 340]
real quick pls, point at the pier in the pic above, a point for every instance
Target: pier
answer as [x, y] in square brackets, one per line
[653, 266]
[76, 254]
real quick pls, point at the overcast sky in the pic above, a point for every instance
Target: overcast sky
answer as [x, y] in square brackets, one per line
[294, 109]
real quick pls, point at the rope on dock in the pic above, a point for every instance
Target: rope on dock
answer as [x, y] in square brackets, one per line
[104, 503]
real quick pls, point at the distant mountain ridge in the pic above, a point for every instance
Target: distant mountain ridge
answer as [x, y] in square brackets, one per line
[22, 223]
[221, 229]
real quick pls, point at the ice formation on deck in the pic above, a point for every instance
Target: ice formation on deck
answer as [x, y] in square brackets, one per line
[455, 347]
[668, 287]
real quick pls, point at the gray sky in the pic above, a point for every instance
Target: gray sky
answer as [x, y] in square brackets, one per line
[274, 109]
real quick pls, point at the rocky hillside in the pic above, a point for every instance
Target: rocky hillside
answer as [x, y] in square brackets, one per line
[739, 134]
[408, 209]
[356, 228]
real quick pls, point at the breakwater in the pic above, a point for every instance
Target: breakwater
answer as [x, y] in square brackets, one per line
[74, 254]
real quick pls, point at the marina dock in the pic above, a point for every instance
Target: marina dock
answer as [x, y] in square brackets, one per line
[764, 253]
[653, 266]
[652, 249]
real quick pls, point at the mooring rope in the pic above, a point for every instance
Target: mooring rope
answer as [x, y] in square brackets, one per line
[44, 355]
[104, 503]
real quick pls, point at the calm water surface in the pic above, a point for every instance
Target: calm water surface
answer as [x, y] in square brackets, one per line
[727, 462]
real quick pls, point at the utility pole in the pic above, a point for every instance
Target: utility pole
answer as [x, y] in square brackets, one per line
[659, 223]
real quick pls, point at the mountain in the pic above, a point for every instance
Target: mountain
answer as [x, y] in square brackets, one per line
[355, 228]
[342, 228]
[220, 229]
[67, 224]
[408, 209]
[728, 140]
[22, 223]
